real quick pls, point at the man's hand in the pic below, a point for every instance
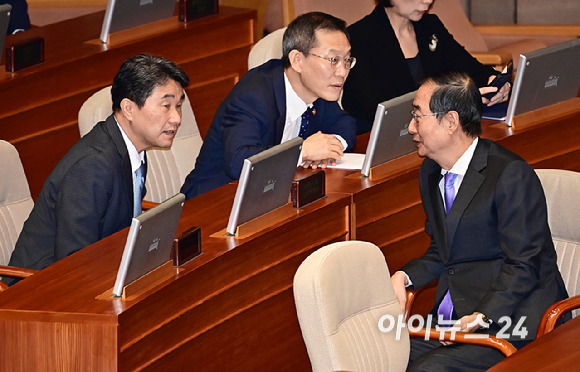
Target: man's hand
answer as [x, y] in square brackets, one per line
[399, 280]
[321, 149]
[467, 324]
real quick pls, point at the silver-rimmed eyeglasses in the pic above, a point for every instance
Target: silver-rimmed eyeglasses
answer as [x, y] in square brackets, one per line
[416, 117]
[336, 62]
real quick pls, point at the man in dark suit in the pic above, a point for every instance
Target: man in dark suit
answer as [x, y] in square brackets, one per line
[266, 106]
[19, 20]
[97, 187]
[491, 249]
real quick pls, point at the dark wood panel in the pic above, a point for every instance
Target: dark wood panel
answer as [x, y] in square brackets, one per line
[40, 104]
[555, 351]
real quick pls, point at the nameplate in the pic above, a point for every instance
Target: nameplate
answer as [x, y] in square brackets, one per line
[308, 189]
[193, 9]
[24, 54]
[186, 246]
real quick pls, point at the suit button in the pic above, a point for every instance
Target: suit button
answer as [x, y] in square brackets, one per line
[451, 271]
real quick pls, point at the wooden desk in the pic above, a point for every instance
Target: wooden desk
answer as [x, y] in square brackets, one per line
[555, 351]
[40, 105]
[230, 309]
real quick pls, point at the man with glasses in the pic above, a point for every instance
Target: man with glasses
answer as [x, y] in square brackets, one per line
[281, 100]
[491, 249]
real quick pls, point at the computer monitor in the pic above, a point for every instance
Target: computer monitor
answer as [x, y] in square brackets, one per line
[149, 241]
[124, 14]
[265, 182]
[390, 136]
[545, 77]
[5, 10]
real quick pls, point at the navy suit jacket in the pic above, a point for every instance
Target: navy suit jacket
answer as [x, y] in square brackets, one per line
[382, 72]
[87, 197]
[493, 251]
[250, 120]
[19, 19]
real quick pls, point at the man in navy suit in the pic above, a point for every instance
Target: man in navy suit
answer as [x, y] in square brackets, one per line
[265, 107]
[19, 20]
[90, 194]
[491, 249]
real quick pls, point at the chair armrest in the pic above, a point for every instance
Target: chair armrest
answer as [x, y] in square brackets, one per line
[412, 295]
[555, 312]
[493, 59]
[499, 344]
[14, 272]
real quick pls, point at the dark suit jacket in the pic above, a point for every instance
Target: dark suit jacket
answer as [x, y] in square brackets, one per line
[87, 197]
[381, 70]
[19, 19]
[494, 250]
[251, 119]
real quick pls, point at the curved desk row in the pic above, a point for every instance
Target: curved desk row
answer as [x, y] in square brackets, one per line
[231, 308]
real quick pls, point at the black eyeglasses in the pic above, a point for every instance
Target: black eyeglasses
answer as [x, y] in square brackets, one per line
[416, 117]
[336, 62]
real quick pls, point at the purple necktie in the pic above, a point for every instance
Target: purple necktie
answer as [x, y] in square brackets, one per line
[446, 307]
[449, 192]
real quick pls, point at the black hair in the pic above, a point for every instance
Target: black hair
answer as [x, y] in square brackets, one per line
[139, 75]
[301, 32]
[456, 91]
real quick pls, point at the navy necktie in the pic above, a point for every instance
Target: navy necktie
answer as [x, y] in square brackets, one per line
[306, 117]
[446, 306]
[138, 189]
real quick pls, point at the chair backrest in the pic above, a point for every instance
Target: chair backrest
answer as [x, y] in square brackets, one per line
[455, 20]
[269, 47]
[166, 168]
[347, 10]
[561, 188]
[15, 200]
[341, 292]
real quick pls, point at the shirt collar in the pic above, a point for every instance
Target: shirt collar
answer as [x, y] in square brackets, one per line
[461, 165]
[295, 106]
[135, 157]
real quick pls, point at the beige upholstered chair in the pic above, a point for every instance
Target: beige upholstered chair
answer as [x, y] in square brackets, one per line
[341, 291]
[15, 206]
[166, 168]
[269, 47]
[562, 188]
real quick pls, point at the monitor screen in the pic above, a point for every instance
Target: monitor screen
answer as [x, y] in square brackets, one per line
[390, 136]
[124, 14]
[545, 77]
[265, 182]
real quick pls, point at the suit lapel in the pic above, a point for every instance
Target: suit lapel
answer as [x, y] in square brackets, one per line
[280, 96]
[469, 186]
[115, 134]
[439, 228]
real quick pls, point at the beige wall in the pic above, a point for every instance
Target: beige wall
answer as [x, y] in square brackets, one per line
[523, 11]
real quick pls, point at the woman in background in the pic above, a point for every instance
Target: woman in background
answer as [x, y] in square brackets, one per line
[395, 47]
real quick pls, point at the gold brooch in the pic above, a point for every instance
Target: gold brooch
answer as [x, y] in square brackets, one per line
[433, 43]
